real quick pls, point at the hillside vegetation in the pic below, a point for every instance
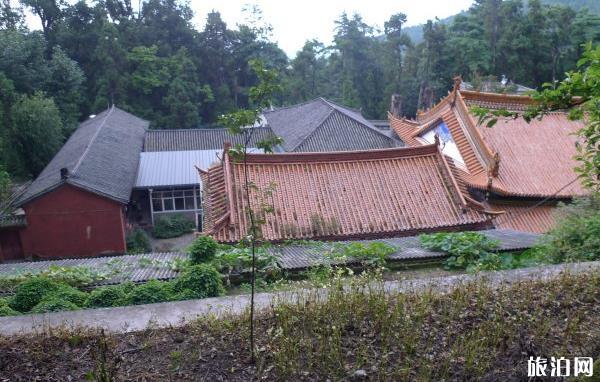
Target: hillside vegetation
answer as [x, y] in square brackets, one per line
[473, 333]
[157, 65]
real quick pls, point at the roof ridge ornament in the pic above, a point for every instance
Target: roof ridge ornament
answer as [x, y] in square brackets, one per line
[455, 88]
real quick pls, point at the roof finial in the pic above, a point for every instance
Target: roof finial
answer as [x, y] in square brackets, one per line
[457, 82]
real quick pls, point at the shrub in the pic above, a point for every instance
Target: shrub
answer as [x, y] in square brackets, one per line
[74, 276]
[198, 281]
[464, 248]
[113, 295]
[68, 293]
[151, 292]
[174, 225]
[31, 291]
[138, 241]
[576, 237]
[370, 254]
[203, 249]
[53, 304]
[6, 310]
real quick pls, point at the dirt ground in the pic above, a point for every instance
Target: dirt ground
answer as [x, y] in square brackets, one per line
[176, 244]
[353, 337]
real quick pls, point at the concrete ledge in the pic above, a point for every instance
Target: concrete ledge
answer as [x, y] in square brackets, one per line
[139, 317]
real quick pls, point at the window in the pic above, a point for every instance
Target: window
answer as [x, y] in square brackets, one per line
[178, 200]
[446, 141]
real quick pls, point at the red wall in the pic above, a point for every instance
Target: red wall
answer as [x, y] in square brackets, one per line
[10, 244]
[71, 222]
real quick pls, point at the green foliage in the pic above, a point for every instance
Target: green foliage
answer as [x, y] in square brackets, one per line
[150, 292]
[465, 249]
[6, 310]
[202, 250]
[198, 281]
[37, 131]
[31, 291]
[172, 225]
[54, 304]
[156, 65]
[138, 242]
[238, 259]
[75, 276]
[372, 254]
[69, 294]
[113, 295]
[576, 237]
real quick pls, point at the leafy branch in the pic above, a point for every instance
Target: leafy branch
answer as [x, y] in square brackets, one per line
[244, 122]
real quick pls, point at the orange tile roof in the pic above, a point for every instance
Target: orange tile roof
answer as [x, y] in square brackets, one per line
[536, 158]
[405, 129]
[538, 219]
[520, 159]
[358, 194]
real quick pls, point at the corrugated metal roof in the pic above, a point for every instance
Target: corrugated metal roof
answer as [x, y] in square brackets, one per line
[176, 168]
[173, 168]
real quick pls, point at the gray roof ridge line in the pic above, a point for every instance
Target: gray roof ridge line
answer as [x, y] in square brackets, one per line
[267, 111]
[317, 126]
[338, 105]
[199, 129]
[89, 145]
[344, 110]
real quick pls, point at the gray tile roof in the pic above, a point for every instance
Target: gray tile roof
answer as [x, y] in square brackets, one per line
[297, 124]
[144, 267]
[198, 139]
[102, 157]
[409, 249]
[134, 268]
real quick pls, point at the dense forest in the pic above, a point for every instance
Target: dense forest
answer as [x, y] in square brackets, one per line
[154, 63]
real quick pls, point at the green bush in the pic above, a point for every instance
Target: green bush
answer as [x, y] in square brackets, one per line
[68, 293]
[465, 249]
[576, 236]
[54, 304]
[198, 281]
[151, 292]
[113, 295]
[31, 291]
[173, 225]
[203, 249]
[138, 241]
[371, 254]
[6, 310]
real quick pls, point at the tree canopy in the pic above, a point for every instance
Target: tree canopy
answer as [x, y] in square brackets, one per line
[154, 63]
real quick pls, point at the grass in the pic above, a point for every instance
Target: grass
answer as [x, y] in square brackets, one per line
[474, 332]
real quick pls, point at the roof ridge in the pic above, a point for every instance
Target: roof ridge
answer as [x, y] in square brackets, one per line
[317, 126]
[291, 106]
[199, 129]
[89, 145]
[336, 104]
[356, 156]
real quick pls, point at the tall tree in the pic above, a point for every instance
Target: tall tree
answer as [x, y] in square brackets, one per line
[36, 132]
[10, 17]
[49, 12]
